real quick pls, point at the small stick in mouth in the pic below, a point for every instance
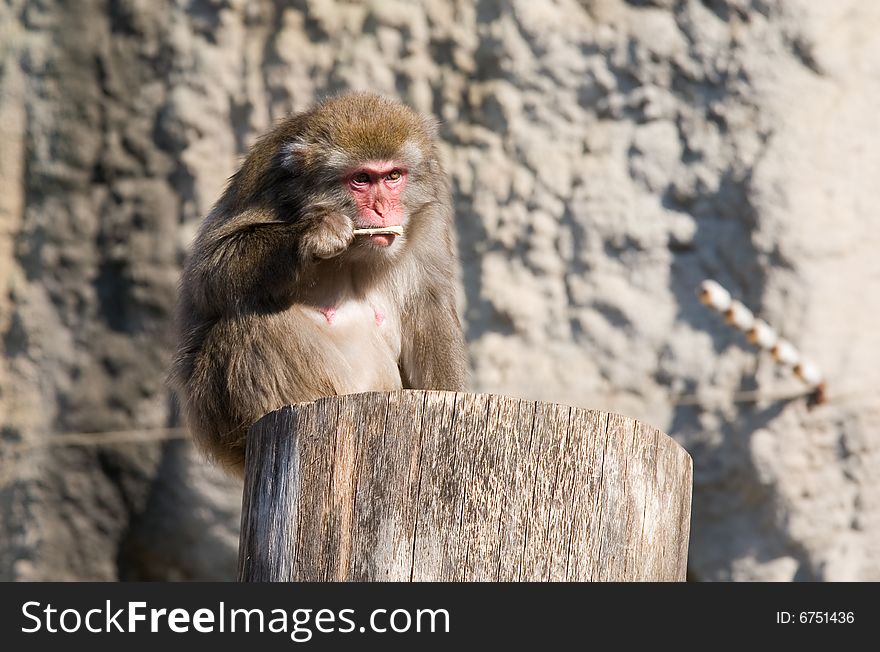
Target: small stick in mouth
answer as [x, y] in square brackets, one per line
[385, 230]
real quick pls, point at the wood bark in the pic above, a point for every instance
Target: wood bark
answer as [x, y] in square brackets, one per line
[443, 486]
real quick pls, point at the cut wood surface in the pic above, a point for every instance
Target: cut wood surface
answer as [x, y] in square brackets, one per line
[443, 486]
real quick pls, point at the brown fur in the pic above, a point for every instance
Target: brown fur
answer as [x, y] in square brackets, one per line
[278, 247]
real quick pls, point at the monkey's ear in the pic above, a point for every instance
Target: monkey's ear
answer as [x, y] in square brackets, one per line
[293, 153]
[431, 125]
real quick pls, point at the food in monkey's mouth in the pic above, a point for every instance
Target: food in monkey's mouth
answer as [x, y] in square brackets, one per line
[385, 230]
[381, 236]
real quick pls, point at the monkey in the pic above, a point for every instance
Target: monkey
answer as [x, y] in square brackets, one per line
[326, 267]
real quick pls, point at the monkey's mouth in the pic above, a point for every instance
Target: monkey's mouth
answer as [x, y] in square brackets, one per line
[380, 240]
[382, 236]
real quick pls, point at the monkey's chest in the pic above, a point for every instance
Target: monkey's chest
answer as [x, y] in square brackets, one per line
[362, 343]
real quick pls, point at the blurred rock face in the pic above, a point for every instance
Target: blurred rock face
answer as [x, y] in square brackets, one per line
[606, 156]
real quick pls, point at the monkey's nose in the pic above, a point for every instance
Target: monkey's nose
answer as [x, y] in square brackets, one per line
[381, 211]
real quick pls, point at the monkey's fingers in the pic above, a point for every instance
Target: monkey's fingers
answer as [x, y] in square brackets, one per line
[385, 230]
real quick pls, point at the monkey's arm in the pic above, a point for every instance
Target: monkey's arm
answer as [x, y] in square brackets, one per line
[433, 353]
[252, 258]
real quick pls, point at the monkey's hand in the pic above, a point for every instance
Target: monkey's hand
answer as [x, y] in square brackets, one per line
[328, 233]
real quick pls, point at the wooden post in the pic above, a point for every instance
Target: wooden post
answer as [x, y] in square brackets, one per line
[442, 486]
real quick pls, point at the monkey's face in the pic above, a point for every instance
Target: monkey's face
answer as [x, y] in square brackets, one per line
[371, 159]
[376, 188]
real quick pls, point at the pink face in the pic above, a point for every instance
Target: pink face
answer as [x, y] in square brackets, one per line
[376, 187]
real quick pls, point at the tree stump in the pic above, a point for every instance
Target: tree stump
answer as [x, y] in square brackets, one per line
[442, 486]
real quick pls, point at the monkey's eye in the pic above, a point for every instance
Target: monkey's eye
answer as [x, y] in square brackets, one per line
[394, 175]
[361, 177]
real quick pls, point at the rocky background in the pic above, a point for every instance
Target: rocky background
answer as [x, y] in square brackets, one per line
[606, 156]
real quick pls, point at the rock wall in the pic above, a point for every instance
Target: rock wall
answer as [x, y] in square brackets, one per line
[606, 156]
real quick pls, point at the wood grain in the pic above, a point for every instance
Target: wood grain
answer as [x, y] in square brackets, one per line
[442, 486]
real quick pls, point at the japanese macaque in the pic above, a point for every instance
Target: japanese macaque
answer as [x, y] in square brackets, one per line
[326, 267]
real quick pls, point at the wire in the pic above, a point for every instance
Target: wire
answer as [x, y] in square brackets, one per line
[743, 397]
[108, 438]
